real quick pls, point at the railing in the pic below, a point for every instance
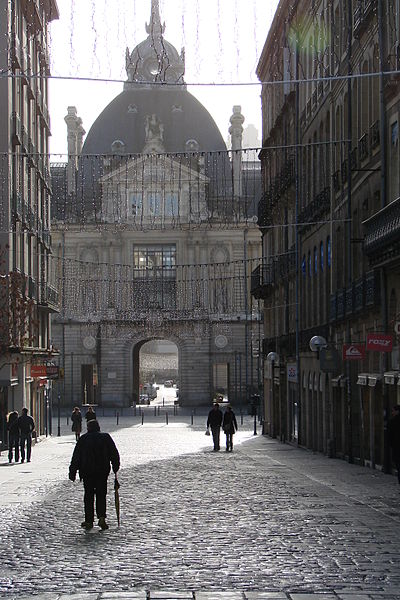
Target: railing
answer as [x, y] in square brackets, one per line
[316, 209]
[363, 149]
[375, 135]
[364, 293]
[363, 11]
[383, 232]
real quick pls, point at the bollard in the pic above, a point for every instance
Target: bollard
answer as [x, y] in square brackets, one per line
[134, 411]
[67, 420]
[142, 417]
[166, 418]
[255, 424]
[241, 417]
[191, 418]
[155, 411]
[117, 417]
[158, 411]
[163, 402]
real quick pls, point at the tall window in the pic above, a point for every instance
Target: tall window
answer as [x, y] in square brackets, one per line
[171, 204]
[135, 203]
[154, 202]
[155, 276]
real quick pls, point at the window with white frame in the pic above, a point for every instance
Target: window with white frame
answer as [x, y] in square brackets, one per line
[135, 203]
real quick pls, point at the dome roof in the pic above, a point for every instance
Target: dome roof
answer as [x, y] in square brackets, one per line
[184, 121]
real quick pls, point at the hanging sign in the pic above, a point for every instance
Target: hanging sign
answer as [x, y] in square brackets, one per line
[379, 342]
[38, 371]
[329, 360]
[353, 352]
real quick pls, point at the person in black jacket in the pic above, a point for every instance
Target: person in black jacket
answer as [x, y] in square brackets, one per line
[76, 419]
[26, 426]
[214, 421]
[13, 436]
[229, 425]
[394, 437]
[94, 451]
[90, 415]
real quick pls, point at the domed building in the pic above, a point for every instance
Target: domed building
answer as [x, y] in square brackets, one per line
[154, 231]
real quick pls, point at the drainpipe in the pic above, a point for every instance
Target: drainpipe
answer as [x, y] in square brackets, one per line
[349, 226]
[383, 277]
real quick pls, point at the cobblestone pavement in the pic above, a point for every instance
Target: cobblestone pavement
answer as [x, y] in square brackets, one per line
[266, 521]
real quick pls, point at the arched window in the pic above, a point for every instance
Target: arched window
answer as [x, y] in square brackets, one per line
[328, 253]
[321, 255]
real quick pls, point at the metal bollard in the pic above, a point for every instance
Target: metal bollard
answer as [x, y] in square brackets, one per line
[67, 420]
[117, 417]
[142, 417]
[158, 411]
[155, 411]
[166, 418]
[134, 411]
[255, 424]
[241, 417]
[191, 418]
[163, 402]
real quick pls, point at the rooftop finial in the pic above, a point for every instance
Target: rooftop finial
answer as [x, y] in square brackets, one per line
[155, 28]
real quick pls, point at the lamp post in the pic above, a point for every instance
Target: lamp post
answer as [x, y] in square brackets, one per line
[317, 343]
[273, 358]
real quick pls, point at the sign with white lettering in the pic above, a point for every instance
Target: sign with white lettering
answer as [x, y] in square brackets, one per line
[379, 342]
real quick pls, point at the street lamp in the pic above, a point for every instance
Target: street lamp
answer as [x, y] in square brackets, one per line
[273, 358]
[318, 342]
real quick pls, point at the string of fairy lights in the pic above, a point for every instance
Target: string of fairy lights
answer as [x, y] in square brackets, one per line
[140, 193]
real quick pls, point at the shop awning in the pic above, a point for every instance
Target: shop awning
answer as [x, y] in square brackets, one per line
[373, 379]
[390, 377]
[362, 379]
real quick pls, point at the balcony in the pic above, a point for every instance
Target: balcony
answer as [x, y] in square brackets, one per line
[317, 209]
[375, 135]
[49, 297]
[263, 212]
[364, 293]
[363, 147]
[382, 235]
[262, 278]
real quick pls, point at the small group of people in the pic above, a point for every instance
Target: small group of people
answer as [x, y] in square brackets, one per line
[20, 428]
[76, 420]
[216, 419]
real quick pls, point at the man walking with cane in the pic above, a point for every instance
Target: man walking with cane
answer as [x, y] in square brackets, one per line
[94, 451]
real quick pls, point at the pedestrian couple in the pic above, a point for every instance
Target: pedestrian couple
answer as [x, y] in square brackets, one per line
[76, 419]
[227, 420]
[20, 431]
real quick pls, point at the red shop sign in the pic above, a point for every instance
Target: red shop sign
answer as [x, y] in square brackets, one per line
[379, 342]
[38, 371]
[353, 352]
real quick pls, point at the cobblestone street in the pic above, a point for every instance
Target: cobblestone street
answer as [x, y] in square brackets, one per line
[267, 521]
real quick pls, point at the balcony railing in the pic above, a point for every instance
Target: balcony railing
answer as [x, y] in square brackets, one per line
[319, 207]
[375, 135]
[363, 147]
[364, 293]
[382, 234]
[363, 11]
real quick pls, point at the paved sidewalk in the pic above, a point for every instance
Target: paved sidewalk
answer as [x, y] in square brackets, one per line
[267, 521]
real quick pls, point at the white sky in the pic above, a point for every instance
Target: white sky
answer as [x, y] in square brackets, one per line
[223, 40]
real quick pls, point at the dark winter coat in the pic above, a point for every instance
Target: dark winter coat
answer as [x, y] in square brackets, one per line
[76, 419]
[214, 418]
[229, 424]
[90, 415]
[12, 426]
[93, 453]
[394, 436]
[26, 424]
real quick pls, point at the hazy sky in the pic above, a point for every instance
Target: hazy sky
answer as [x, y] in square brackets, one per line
[223, 40]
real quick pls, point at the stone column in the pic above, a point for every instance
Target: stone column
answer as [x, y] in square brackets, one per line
[236, 132]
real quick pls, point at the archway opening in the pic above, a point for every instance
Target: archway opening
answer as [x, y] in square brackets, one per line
[157, 373]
